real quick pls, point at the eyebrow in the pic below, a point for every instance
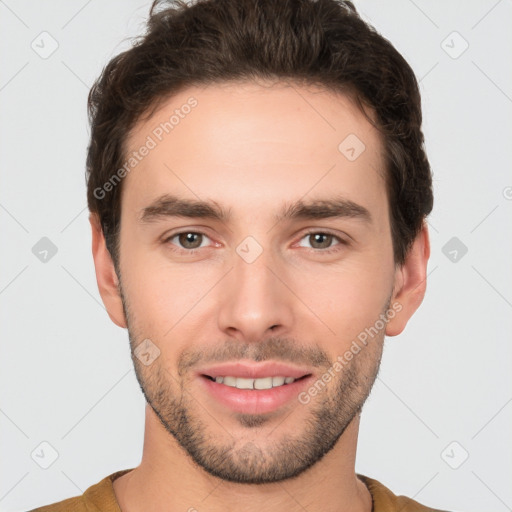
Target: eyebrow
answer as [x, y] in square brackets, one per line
[173, 206]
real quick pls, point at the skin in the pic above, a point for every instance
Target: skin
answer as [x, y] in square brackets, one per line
[253, 148]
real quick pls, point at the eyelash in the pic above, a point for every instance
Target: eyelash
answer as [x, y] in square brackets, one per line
[330, 250]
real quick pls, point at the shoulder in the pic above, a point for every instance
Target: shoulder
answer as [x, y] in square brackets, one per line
[385, 501]
[70, 505]
[98, 497]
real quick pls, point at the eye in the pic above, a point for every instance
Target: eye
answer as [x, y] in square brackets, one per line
[187, 241]
[322, 241]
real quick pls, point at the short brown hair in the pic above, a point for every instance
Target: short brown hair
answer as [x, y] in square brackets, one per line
[318, 42]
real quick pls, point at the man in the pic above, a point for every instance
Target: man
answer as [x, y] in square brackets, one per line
[258, 191]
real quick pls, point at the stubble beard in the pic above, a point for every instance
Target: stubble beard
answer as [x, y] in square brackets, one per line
[252, 458]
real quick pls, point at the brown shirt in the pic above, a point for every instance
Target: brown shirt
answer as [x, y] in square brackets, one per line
[100, 497]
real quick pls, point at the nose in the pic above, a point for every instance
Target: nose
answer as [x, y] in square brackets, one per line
[254, 301]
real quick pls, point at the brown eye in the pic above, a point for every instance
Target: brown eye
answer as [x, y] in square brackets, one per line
[187, 241]
[320, 240]
[190, 240]
[323, 242]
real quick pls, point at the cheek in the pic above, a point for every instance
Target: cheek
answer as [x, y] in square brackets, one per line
[347, 301]
[162, 295]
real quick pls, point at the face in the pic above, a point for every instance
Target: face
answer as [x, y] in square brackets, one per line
[255, 244]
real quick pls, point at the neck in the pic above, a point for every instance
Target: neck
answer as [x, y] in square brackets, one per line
[167, 479]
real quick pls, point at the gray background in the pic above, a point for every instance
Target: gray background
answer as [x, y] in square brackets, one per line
[66, 378]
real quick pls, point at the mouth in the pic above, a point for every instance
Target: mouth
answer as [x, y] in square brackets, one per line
[260, 383]
[254, 389]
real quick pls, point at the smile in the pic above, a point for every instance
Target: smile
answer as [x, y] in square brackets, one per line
[260, 383]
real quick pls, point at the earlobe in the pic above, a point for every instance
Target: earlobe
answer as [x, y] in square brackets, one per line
[410, 283]
[106, 276]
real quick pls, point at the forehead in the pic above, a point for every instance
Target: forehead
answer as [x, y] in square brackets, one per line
[246, 144]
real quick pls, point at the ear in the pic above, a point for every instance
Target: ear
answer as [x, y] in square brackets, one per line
[106, 276]
[410, 283]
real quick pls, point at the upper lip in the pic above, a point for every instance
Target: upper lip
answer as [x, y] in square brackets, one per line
[254, 371]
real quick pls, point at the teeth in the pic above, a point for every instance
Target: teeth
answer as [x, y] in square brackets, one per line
[277, 381]
[229, 381]
[244, 383]
[262, 383]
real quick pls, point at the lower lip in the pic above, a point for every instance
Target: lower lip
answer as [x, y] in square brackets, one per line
[255, 401]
